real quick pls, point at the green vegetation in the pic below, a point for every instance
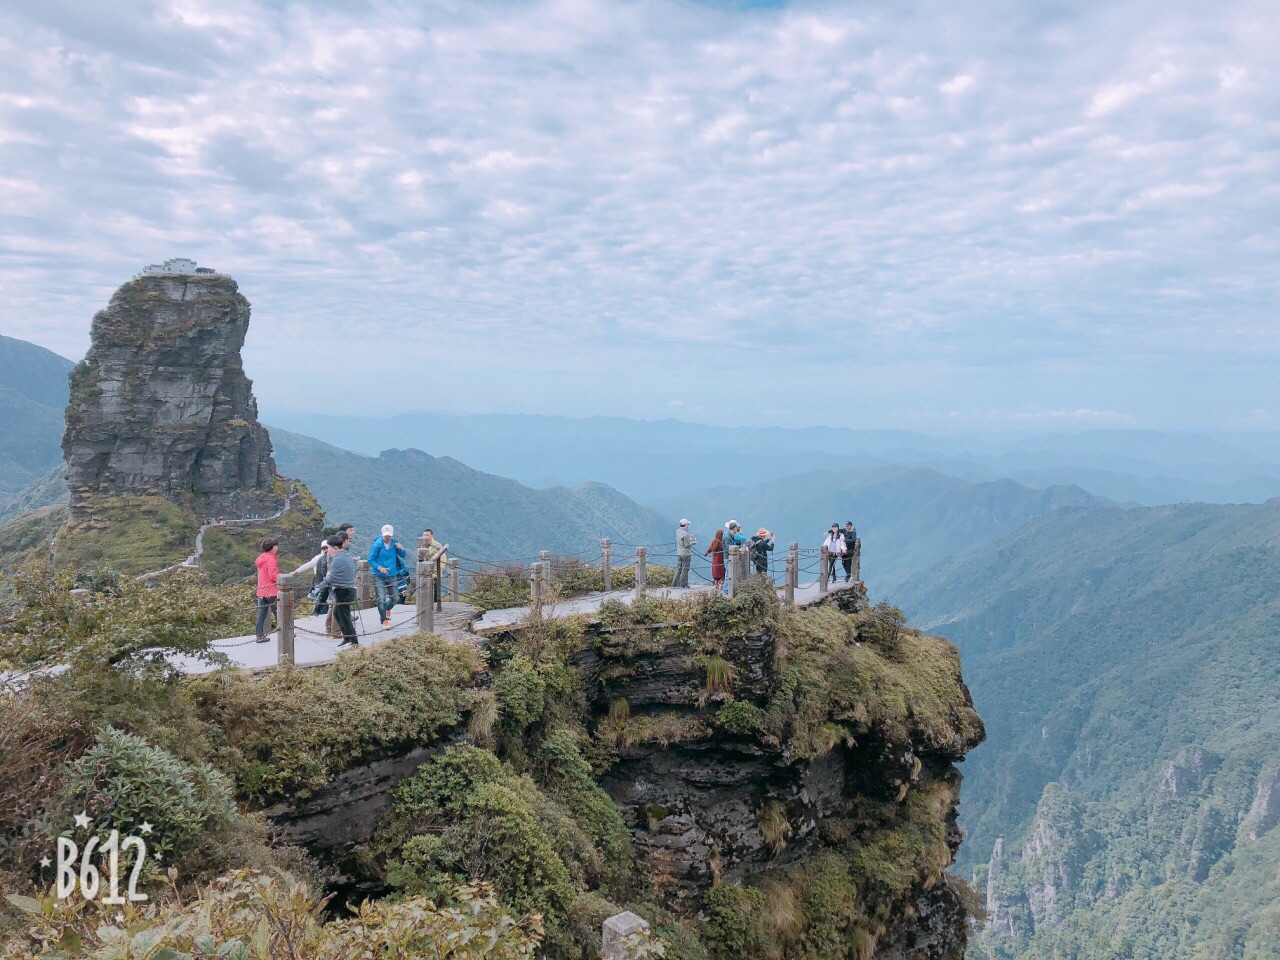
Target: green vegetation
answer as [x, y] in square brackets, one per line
[1124, 661]
[119, 734]
[135, 534]
[24, 542]
[230, 552]
[249, 915]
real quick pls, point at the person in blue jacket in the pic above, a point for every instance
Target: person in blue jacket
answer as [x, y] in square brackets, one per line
[385, 558]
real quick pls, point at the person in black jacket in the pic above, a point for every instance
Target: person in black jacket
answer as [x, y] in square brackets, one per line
[850, 541]
[761, 546]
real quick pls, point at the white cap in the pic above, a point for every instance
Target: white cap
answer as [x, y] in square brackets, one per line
[684, 523]
[731, 523]
[388, 530]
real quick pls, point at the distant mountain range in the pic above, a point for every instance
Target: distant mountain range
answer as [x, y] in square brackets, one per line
[1125, 663]
[653, 461]
[478, 514]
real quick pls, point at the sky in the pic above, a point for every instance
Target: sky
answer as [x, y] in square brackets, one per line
[937, 216]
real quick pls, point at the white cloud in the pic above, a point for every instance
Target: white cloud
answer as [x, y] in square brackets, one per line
[659, 186]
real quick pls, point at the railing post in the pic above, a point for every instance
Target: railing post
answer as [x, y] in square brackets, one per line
[535, 587]
[857, 559]
[789, 588]
[425, 608]
[364, 585]
[453, 579]
[822, 569]
[284, 614]
[620, 934]
[745, 562]
[606, 563]
[794, 550]
[730, 570]
[544, 557]
[642, 571]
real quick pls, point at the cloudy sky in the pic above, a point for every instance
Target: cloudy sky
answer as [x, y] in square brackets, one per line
[934, 215]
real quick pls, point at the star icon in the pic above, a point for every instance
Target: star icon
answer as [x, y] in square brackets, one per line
[158, 856]
[46, 863]
[145, 828]
[82, 821]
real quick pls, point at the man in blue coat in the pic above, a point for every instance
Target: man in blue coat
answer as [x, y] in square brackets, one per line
[385, 557]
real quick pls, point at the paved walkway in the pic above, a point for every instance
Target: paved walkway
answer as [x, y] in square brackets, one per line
[459, 621]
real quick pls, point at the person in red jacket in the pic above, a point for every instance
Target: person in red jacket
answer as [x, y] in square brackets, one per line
[268, 574]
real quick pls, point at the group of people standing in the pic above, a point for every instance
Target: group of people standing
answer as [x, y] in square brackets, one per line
[840, 546]
[334, 581]
[760, 545]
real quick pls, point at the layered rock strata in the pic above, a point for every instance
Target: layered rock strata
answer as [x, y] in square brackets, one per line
[161, 405]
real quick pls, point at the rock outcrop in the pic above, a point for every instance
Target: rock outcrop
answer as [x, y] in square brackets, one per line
[161, 405]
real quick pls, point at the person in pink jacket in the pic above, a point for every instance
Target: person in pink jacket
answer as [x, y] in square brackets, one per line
[268, 574]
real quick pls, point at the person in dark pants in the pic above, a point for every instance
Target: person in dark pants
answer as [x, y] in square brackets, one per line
[761, 546]
[850, 541]
[268, 574]
[317, 580]
[341, 579]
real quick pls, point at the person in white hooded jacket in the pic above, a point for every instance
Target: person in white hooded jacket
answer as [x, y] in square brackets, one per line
[835, 547]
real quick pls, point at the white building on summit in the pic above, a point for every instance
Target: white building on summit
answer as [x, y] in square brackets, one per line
[177, 265]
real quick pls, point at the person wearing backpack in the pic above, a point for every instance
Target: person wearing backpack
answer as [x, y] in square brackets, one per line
[385, 556]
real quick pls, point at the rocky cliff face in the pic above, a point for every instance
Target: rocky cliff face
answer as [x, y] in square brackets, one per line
[161, 405]
[788, 779]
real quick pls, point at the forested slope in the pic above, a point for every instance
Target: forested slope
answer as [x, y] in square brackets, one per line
[1125, 662]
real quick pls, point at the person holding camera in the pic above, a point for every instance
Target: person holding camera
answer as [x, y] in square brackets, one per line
[761, 546]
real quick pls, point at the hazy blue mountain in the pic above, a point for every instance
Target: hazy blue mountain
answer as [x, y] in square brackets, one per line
[651, 460]
[1125, 662]
[49, 490]
[908, 518]
[478, 514]
[38, 374]
[33, 395]
[644, 459]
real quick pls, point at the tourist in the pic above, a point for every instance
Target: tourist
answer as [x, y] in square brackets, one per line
[435, 556]
[268, 574]
[733, 539]
[319, 592]
[716, 552]
[684, 554]
[385, 557]
[761, 547]
[850, 545]
[348, 533]
[835, 547]
[341, 579]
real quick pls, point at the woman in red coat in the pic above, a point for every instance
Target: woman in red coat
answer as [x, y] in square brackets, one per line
[268, 574]
[716, 552]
